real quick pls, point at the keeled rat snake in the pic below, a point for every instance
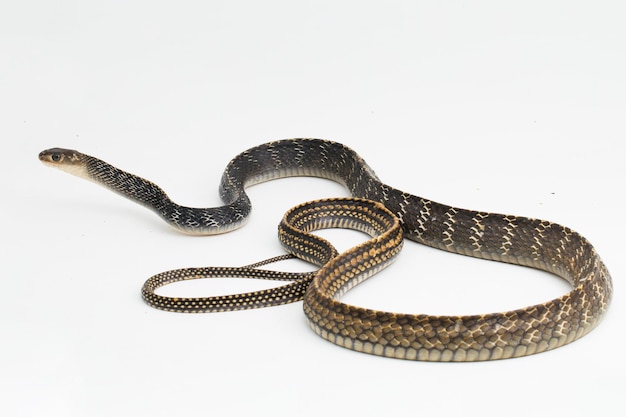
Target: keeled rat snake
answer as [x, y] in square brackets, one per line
[386, 214]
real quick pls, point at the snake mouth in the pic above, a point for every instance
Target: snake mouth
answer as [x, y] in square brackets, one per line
[67, 160]
[59, 155]
[53, 156]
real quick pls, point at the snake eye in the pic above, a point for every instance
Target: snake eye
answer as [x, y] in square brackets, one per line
[56, 157]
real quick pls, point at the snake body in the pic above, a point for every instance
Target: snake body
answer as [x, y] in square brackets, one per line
[512, 239]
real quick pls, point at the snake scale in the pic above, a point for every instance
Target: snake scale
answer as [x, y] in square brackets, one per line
[387, 215]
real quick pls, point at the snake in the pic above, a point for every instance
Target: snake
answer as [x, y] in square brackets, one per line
[388, 216]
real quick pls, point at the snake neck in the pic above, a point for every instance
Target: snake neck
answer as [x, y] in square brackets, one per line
[190, 220]
[126, 184]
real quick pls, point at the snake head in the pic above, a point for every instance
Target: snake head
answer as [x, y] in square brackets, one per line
[66, 160]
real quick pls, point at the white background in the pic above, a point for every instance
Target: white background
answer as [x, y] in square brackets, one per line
[499, 106]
